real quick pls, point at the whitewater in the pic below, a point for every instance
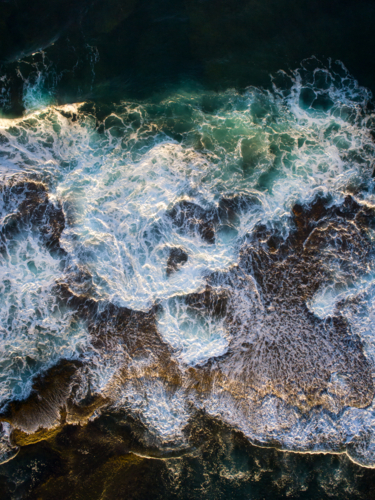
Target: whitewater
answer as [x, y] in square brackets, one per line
[185, 277]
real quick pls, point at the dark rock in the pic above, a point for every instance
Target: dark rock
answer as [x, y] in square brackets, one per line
[85, 306]
[110, 324]
[308, 217]
[210, 300]
[194, 219]
[32, 210]
[135, 330]
[288, 350]
[234, 205]
[50, 392]
[177, 258]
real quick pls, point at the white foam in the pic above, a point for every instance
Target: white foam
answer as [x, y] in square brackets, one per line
[34, 332]
[117, 185]
[195, 337]
[163, 411]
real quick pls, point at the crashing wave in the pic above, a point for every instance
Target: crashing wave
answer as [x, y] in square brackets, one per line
[201, 252]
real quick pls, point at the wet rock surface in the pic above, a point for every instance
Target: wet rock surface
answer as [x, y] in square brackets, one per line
[48, 398]
[211, 301]
[231, 206]
[177, 258]
[110, 325]
[281, 346]
[277, 345]
[194, 219]
[35, 213]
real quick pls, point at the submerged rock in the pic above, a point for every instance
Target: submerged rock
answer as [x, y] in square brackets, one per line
[177, 258]
[210, 300]
[280, 345]
[231, 206]
[194, 219]
[31, 209]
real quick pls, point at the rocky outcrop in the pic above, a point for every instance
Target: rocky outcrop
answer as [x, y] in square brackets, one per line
[282, 347]
[31, 210]
[277, 345]
[44, 408]
[194, 219]
[177, 258]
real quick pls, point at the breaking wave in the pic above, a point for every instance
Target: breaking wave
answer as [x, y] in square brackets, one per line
[215, 253]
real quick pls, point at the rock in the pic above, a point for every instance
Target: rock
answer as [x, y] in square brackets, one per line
[177, 258]
[236, 204]
[210, 301]
[110, 324]
[42, 409]
[283, 347]
[31, 209]
[84, 306]
[194, 219]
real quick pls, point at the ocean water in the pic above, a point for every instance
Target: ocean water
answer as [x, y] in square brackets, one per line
[187, 278]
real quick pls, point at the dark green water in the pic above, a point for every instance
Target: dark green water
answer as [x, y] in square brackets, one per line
[134, 48]
[174, 60]
[92, 462]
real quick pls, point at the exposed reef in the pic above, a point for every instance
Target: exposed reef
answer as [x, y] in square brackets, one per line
[277, 344]
[49, 395]
[31, 210]
[177, 258]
